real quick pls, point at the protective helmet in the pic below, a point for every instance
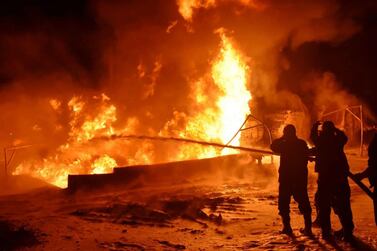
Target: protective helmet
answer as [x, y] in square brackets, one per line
[328, 126]
[289, 131]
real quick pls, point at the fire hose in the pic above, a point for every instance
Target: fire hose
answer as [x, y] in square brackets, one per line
[358, 182]
[241, 148]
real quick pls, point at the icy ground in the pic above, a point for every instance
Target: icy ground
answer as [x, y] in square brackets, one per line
[232, 211]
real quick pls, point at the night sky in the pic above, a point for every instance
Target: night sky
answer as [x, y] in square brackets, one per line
[44, 36]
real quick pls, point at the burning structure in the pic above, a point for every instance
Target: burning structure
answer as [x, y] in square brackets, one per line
[192, 69]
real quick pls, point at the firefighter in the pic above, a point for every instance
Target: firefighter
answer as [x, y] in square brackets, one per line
[333, 187]
[371, 171]
[293, 177]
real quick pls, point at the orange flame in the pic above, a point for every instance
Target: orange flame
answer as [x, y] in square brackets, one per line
[230, 75]
[187, 7]
[104, 164]
[218, 116]
[72, 157]
[220, 111]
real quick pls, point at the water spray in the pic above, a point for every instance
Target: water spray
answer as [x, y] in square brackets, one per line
[193, 141]
[219, 145]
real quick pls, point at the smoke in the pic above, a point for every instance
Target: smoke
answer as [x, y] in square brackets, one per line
[263, 33]
[180, 40]
[328, 94]
[124, 47]
[330, 101]
[264, 30]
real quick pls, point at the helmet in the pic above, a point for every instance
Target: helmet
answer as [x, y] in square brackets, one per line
[289, 131]
[328, 126]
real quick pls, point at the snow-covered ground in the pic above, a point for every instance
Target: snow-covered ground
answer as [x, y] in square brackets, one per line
[228, 211]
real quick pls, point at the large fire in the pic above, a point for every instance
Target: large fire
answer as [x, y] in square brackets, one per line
[217, 122]
[73, 157]
[230, 74]
[220, 121]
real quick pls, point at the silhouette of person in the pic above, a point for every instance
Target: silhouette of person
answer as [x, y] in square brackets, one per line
[316, 222]
[371, 171]
[293, 177]
[333, 187]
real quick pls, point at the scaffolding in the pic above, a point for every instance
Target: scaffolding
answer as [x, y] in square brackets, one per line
[260, 123]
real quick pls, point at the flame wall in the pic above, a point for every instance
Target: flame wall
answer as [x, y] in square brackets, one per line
[70, 72]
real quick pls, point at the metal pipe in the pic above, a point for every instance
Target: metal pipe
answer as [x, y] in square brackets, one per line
[336, 111]
[265, 126]
[11, 157]
[13, 149]
[353, 114]
[247, 118]
[251, 127]
[17, 147]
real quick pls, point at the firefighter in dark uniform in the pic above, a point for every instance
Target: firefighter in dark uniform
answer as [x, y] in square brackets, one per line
[371, 171]
[293, 177]
[333, 187]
